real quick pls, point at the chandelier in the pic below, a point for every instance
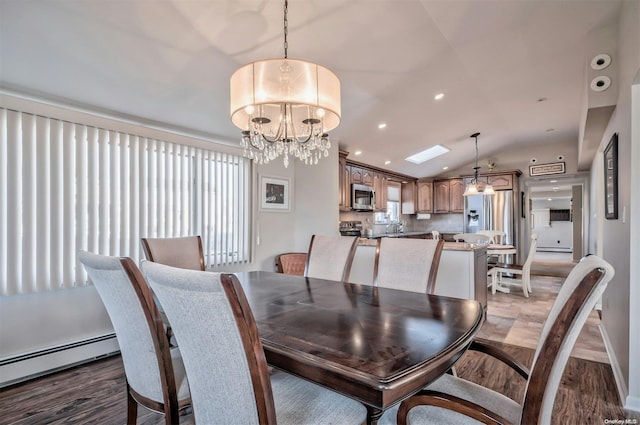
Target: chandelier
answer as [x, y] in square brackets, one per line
[472, 187]
[285, 107]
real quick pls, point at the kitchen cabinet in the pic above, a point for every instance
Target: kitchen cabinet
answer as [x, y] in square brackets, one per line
[447, 196]
[408, 198]
[361, 175]
[501, 181]
[344, 180]
[456, 198]
[380, 188]
[425, 197]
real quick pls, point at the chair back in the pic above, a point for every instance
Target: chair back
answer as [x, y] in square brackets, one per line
[495, 236]
[291, 263]
[217, 335]
[435, 234]
[141, 336]
[577, 298]
[330, 257]
[183, 252]
[471, 237]
[407, 264]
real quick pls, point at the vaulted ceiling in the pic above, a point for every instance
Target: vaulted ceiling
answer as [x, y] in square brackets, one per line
[516, 71]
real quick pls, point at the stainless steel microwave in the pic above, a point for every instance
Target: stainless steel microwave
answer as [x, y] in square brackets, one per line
[363, 198]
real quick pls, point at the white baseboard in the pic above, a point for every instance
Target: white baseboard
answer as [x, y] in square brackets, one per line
[618, 376]
[42, 362]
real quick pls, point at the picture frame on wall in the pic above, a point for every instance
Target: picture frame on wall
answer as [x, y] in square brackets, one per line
[275, 194]
[611, 178]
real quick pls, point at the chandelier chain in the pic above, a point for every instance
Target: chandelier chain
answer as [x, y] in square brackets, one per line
[286, 28]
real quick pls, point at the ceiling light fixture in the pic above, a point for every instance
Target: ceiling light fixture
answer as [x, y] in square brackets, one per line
[387, 162]
[382, 125]
[285, 107]
[357, 153]
[438, 96]
[472, 188]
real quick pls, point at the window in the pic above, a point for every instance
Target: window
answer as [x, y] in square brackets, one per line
[66, 187]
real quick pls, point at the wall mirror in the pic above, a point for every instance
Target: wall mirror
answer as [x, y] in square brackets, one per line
[611, 178]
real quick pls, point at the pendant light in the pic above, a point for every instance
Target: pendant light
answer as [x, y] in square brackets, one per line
[472, 188]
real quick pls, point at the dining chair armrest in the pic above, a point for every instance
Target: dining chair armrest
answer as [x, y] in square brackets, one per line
[449, 402]
[501, 355]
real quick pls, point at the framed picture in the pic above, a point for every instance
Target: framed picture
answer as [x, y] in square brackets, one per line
[275, 194]
[544, 169]
[611, 179]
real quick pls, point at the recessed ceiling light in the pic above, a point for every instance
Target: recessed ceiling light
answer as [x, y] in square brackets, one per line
[553, 181]
[549, 199]
[387, 162]
[357, 153]
[427, 154]
[555, 188]
[438, 96]
[445, 168]
[382, 125]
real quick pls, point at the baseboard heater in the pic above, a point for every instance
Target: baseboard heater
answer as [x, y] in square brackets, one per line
[27, 366]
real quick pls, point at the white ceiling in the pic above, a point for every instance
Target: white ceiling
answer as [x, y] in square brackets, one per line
[170, 61]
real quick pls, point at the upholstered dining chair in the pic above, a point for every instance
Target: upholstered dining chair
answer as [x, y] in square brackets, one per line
[225, 361]
[330, 257]
[184, 252]
[154, 372]
[454, 400]
[498, 271]
[407, 264]
[291, 263]
[471, 238]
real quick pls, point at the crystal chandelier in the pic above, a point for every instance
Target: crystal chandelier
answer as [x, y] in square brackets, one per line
[285, 107]
[472, 188]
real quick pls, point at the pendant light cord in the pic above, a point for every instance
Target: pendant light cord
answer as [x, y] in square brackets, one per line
[286, 27]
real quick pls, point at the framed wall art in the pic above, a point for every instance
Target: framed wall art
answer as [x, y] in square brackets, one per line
[544, 169]
[611, 178]
[275, 194]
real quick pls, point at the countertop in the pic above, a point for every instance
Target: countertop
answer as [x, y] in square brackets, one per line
[448, 246]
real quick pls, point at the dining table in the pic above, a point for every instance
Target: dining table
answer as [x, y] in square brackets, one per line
[375, 345]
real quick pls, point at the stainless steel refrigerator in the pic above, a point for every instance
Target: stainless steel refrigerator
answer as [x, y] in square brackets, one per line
[491, 212]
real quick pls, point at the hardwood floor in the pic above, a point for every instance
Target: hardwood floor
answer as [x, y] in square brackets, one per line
[95, 393]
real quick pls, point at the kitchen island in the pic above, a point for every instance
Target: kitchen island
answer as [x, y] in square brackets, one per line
[462, 272]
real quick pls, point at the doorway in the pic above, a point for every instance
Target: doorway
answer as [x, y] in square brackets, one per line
[556, 209]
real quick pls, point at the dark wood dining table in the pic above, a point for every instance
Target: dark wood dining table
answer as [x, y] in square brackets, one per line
[374, 345]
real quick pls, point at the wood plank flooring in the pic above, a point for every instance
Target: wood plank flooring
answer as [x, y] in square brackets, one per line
[94, 393]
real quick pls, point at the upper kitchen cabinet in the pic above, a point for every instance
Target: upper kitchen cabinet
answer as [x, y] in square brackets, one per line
[361, 175]
[425, 197]
[380, 189]
[344, 180]
[501, 181]
[448, 196]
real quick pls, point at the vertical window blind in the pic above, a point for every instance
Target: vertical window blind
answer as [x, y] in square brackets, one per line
[66, 187]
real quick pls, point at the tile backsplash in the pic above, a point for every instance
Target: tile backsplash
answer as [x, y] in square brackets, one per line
[444, 223]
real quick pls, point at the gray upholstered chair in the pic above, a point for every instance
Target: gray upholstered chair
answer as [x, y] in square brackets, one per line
[330, 257]
[291, 263]
[224, 358]
[154, 372]
[184, 252]
[407, 264]
[499, 271]
[449, 399]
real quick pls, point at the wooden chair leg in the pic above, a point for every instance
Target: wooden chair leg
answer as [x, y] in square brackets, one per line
[132, 409]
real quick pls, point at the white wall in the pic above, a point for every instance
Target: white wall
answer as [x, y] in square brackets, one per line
[616, 240]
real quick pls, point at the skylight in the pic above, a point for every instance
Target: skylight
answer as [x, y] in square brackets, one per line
[427, 154]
